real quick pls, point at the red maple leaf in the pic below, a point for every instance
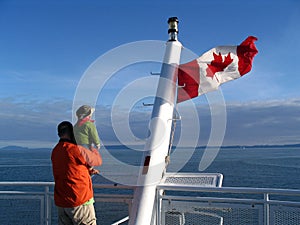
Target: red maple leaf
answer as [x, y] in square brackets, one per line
[217, 64]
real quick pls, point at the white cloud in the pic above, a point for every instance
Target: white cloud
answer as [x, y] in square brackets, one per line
[258, 122]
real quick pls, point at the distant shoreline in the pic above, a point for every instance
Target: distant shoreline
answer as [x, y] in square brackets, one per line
[15, 147]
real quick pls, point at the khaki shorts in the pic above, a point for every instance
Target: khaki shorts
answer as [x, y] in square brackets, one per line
[80, 215]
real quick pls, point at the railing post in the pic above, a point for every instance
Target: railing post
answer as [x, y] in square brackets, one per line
[266, 209]
[47, 211]
[158, 207]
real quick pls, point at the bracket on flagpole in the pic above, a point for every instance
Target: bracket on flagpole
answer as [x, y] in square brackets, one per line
[181, 86]
[152, 73]
[176, 116]
[148, 104]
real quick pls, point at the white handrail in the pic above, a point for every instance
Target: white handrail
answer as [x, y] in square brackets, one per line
[175, 195]
[121, 221]
[45, 196]
[171, 194]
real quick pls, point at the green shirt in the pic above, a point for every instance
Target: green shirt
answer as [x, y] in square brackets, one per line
[91, 201]
[86, 134]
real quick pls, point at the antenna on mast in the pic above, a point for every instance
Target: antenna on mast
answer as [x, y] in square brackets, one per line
[173, 28]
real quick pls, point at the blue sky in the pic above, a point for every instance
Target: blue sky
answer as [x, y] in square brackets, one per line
[47, 46]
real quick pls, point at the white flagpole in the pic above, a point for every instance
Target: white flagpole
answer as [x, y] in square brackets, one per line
[156, 148]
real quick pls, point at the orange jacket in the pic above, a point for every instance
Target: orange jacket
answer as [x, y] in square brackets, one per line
[73, 185]
[91, 156]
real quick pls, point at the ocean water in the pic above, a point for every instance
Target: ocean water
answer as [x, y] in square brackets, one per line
[251, 167]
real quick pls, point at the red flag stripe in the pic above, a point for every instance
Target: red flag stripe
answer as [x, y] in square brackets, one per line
[246, 52]
[188, 80]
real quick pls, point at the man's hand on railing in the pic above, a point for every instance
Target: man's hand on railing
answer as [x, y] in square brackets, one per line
[93, 171]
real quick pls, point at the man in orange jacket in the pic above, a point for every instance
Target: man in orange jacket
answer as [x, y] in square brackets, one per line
[71, 165]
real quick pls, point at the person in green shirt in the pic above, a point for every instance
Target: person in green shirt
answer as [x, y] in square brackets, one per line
[85, 130]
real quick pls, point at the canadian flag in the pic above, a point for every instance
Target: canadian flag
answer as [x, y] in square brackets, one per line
[215, 67]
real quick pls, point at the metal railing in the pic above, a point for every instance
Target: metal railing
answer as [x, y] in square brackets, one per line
[227, 205]
[32, 203]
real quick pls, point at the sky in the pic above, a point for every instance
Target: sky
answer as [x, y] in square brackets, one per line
[48, 49]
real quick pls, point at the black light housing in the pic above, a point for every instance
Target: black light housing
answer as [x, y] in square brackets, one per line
[173, 28]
